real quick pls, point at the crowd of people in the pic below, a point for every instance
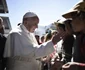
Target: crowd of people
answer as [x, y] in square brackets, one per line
[23, 50]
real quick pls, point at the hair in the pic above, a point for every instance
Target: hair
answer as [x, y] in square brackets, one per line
[61, 25]
[68, 21]
[48, 37]
[1, 20]
[18, 24]
[1, 29]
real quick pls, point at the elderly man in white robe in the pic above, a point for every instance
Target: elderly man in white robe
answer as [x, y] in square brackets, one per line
[22, 49]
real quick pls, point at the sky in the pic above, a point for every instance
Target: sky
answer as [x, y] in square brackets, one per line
[48, 11]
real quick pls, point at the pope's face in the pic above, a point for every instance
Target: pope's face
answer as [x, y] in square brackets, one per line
[32, 24]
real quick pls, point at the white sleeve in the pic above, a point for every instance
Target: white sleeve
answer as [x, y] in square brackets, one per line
[19, 45]
[44, 49]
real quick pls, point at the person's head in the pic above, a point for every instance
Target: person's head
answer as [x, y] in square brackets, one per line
[77, 14]
[48, 37]
[54, 32]
[1, 26]
[68, 26]
[78, 22]
[30, 21]
[60, 27]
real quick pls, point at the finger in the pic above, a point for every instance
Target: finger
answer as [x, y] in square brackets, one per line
[66, 65]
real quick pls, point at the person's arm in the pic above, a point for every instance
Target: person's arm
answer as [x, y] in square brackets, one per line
[21, 45]
[81, 64]
[71, 65]
[47, 47]
[44, 49]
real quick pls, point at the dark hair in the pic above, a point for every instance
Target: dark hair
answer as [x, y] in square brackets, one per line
[61, 25]
[68, 21]
[18, 24]
[1, 29]
[48, 37]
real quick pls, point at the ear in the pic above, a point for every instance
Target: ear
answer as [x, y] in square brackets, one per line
[25, 22]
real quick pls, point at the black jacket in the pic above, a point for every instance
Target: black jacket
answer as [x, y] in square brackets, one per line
[2, 45]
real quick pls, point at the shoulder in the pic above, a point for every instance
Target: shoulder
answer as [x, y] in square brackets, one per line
[16, 31]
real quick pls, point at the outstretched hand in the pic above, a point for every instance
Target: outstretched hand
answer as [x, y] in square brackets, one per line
[56, 38]
[70, 66]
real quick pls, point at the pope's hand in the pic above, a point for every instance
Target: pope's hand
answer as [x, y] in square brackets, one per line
[57, 37]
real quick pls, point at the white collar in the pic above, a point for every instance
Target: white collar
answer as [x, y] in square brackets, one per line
[25, 29]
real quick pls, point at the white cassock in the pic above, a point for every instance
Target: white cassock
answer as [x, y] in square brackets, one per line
[22, 50]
